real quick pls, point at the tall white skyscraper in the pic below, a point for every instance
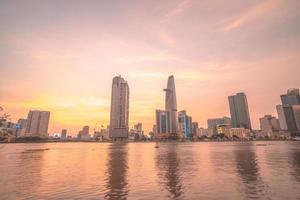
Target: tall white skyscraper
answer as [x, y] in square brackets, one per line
[119, 112]
[37, 123]
[171, 104]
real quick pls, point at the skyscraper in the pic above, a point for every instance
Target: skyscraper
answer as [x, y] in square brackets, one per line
[119, 111]
[281, 117]
[195, 127]
[185, 124]
[289, 111]
[291, 98]
[171, 104]
[21, 127]
[37, 123]
[162, 122]
[269, 123]
[63, 134]
[239, 111]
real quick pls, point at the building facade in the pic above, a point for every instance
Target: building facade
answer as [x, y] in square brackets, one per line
[184, 124]
[163, 125]
[214, 123]
[239, 111]
[241, 133]
[269, 123]
[292, 97]
[281, 117]
[289, 111]
[37, 123]
[63, 134]
[119, 112]
[171, 104]
[195, 126]
[21, 127]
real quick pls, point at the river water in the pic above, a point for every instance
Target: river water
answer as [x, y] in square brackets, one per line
[216, 170]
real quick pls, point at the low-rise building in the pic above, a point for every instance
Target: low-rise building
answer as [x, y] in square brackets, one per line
[241, 133]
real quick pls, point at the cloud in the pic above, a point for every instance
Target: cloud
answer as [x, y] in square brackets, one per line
[259, 10]
[179, 8]
[144, 58]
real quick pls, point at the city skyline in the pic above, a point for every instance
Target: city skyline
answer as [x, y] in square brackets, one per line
[64, 62]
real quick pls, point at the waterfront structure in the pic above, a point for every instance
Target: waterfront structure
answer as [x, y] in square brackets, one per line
[241, 133]
[37, 123]
[214, 123]
[171, 104]
[269, 123]
[184, 124]
[204, 132]
[63, 134]
[281, 134]
[119, 112]
[239, 111]
[224, 129]
[163, 125]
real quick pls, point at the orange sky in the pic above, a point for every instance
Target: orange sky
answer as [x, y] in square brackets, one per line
[62, 56]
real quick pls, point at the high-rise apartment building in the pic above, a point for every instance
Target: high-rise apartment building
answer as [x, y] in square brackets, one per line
[281, 117]
[37, 123]
[269, 123]
[184, 124]
[162, 122]
[119, 112]
[63, 134]
[292, 97]
[21, 127]
[195, 126]
[289, 111]
[239, 111]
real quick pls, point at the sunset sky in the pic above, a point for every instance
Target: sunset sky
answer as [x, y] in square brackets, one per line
[61, 56]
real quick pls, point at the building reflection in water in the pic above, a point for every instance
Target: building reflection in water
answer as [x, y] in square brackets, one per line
[248, 170]
[296, 165]
[169, 174]
[116, 175]
[29, 167]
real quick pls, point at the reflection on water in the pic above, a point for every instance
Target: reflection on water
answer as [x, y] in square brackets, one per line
[169, 170]
[229, 170]
[248, 171]
[296, 165]
[116, 179]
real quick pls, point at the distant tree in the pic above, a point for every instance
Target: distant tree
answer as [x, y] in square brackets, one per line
[3, 116]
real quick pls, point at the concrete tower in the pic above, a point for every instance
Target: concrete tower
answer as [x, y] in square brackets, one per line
[37, 123]
[119, 112]
[239, 111]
